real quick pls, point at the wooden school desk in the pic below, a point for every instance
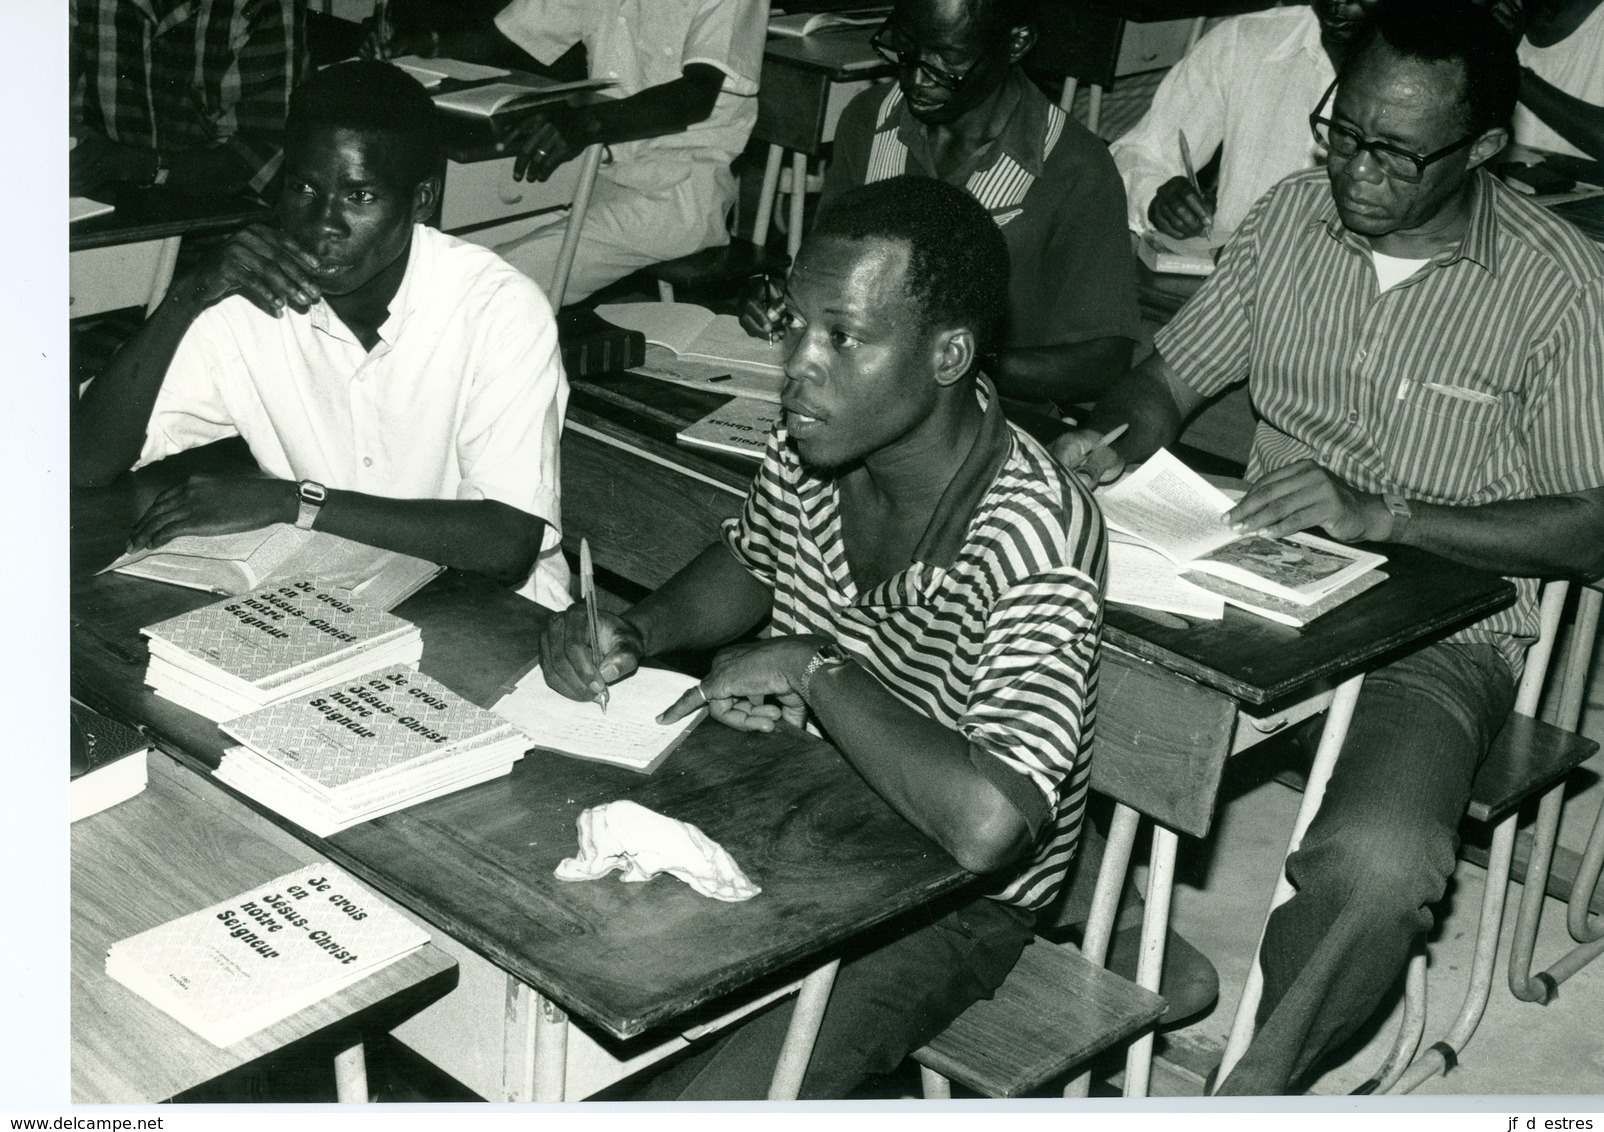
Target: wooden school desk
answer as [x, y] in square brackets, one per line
[807, 81]
[635, 966]
[165, 853]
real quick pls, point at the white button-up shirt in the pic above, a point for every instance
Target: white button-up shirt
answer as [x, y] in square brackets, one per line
[1248, 84]
[645, 43]
[463, 397]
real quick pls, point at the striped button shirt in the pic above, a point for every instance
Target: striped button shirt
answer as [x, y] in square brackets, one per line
[174, 75]
[992, 631]
[1049, 184]
[1478, 379]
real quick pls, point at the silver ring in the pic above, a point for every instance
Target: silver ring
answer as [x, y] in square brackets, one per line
[701, 693]
[540, 153]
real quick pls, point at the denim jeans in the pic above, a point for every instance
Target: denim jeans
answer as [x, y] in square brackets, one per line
[885, 1004]
[1375, 859]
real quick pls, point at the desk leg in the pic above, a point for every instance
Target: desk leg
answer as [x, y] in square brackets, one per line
[589, 163]
[804, 1030]
[1105, 906]
[551, 1050]
[1338, 716]
[1150, 963]
[351, 1076]
[535, 1046]
[799, 200]
[765, 198]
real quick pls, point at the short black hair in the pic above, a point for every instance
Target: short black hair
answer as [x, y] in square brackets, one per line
[373, 97]
[1438, 31]
[1000, 16]
[957, 258]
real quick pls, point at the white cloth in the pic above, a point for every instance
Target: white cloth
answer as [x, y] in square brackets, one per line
[1249, 85]
[1576, 66]
[640, 843]
[463, 397]
[677, 188]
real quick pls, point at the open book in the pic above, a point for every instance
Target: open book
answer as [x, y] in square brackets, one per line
[806, 23]
[237, 563]
[741, 427]
[431, 72]
[705, 350]
[496, 98]
[627, 734]
[1169, 507]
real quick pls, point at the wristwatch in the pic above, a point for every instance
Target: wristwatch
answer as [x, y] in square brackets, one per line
[1398, 507]
[311, 495]
[830, 655]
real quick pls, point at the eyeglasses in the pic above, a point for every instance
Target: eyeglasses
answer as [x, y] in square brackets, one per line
[1398, 164]
[909, 60]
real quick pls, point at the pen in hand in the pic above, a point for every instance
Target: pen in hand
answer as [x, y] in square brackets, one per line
[1191, 177]
[587, 593]
[1103, 441]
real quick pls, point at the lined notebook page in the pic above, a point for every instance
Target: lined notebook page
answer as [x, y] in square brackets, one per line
[627, 734]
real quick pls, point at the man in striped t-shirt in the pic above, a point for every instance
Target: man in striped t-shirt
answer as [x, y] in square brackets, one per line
[932, 582]
[1425, 352]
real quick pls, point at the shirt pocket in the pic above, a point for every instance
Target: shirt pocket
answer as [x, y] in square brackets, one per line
[1446, 439]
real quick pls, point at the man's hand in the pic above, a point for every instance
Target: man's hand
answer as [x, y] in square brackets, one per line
[1178, 211]
[566, 660]
[1304, 495]
[544, 139]
[744, 677]
[96, 161]
[259, 262]
[760, 307]
[215, 505]
[1078, 451]
[395, 40]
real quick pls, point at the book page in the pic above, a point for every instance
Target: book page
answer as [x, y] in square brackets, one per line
[627, 734]
[231, 563]
[436, 69]
[1170, 507]
[674, 325]
[1141, 576]
[754, 385]
[483, 101]
[724, 340]
[741, 427]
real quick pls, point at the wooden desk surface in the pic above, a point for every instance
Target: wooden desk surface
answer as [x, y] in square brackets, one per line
[156, 213]
[161, 855]
[832, 859]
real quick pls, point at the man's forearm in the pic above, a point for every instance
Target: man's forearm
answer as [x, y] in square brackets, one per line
[709, 602]
[922, 769]
[1578, 122]
[1550, 536]
[482, 535]
[1066, 374]
[110, 419]
[1142, 399]
[664, 109]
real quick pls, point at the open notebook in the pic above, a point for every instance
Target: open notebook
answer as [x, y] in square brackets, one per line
[627, 734]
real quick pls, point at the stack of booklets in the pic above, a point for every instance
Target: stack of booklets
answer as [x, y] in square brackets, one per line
[108, 762]
[351, 752]
[236, 563]
[241, 654]
[236, 968]
[1170, 549]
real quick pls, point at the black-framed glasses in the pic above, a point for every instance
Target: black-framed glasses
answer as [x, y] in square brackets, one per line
[1398, 164]
[909, 60]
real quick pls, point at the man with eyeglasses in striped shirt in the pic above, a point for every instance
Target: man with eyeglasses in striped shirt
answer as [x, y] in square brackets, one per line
[1425, 351]
[932, 583]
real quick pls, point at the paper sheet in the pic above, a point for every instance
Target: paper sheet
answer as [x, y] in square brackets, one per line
[1170, 506]
[627, 734]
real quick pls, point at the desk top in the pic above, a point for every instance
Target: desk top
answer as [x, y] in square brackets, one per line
[831, 857]
[163, 854]
[159, 212]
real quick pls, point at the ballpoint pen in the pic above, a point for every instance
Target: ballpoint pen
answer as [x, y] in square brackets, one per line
[1191, 175]
[1104, 441]
[587, 594]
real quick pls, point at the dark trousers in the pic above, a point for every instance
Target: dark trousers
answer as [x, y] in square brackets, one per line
[885, 1004]
[1375, 859]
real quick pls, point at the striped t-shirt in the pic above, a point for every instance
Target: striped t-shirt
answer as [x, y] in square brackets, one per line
[993, 630]
[1478, 379]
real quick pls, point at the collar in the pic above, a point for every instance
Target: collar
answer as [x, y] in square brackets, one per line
[949, 526]
[401, 303]
[1302, 39]
[1023, 137]
[1480, 242]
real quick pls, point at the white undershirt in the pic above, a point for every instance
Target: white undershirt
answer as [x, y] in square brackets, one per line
[1391, 271]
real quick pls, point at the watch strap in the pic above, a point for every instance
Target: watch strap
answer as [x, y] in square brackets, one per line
[1398, 507]
[310, 496]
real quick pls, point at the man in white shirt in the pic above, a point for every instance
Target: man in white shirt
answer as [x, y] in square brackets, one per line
[685, 75]
[1562, 78]
[396, 386]
[1245, 89]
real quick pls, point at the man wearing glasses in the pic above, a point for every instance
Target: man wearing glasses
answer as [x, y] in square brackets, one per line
[1423, 349]
[962, 111]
